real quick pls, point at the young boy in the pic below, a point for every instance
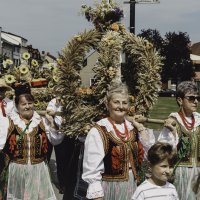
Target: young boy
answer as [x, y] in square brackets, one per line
[161, 157]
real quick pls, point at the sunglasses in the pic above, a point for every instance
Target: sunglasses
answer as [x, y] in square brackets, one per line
[192, 98]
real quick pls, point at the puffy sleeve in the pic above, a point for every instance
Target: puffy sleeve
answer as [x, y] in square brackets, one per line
[52, 106]
[93, 165]
[4, 125]
[54, 136]
[147, 139]
[167, 136]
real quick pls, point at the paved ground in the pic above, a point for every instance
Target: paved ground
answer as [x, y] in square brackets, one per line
[52, 166]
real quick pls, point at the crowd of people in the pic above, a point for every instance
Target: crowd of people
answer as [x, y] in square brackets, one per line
[118, 160]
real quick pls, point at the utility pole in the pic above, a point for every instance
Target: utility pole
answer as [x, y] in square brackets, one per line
[0, 42]
[132, 10]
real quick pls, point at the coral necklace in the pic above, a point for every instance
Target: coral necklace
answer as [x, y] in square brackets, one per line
[122, 136]
[187, 124]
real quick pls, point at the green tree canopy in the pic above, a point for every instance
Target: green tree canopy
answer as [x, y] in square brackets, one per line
[177, 63]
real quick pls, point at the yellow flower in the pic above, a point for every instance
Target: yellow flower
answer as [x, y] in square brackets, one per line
[9, 79]
[59, 61]
[115, 27]
[34, 63]
[50, 65]
[36, 103]
[23, 69]
[9, 62]
[132, 98]
[55, 70]
[26, 56]
[56, 78]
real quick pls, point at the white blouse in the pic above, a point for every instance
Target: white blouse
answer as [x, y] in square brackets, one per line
[52, 134]
[93, 165]
[167, 136]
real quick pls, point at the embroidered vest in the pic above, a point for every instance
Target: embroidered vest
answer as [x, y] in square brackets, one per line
[119, 154]
[18, 149]
[188, 147]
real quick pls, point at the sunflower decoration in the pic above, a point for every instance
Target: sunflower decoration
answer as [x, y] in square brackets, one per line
[9, 79]
[9, 62]
[36, 103]
[23, 69]
[34, 63]
[26, 56]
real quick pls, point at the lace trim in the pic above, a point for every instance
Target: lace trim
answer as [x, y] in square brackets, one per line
[95, 195]
[105, 122]
[36, 119]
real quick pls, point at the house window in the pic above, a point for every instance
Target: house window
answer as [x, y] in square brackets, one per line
[92, 81]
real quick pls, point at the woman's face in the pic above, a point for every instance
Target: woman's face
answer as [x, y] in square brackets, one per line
[25, 108]
[118, 107]
[189, 103]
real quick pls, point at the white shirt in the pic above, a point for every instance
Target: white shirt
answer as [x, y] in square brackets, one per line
[56, 107]
[150, 191]
[8, 105]
[167, 136]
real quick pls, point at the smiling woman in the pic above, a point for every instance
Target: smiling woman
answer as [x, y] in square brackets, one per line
[23, 147]
[114, 150]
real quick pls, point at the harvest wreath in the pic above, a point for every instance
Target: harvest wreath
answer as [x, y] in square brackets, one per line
[109, 40]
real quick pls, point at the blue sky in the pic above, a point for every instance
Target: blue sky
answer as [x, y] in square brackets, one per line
[50, 24]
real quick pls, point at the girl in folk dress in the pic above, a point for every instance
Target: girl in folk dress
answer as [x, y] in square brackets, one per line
[185, 137]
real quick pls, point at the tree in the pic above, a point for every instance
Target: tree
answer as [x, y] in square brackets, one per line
[177, 63]
[153, 36]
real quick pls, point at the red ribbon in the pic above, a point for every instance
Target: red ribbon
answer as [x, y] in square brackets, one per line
[3, 107]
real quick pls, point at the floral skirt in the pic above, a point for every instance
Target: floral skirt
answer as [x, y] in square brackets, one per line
[120, 190]
[29, 182]
[185, 180]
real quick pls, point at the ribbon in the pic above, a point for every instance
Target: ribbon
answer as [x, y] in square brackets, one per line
[3, 107]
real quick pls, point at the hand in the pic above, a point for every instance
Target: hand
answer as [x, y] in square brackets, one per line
[100, 198]
[170, 124]
[51, 121]
[139, 126]
[51, 112]
[49, 118]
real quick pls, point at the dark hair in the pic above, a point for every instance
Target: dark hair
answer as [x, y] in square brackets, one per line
[160, 151]
[28, 97]
[186, 87]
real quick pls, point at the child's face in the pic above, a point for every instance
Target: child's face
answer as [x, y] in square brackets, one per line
[161, 172]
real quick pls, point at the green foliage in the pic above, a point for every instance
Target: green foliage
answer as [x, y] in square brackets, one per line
[153, 36]
[175, 51]
[177, 63]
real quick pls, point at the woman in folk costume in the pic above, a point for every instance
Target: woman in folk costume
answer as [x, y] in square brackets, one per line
[23, 142]
[114, 150]
[185, 136]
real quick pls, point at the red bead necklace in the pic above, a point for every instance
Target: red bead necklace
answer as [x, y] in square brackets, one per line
[122, 136]
[187, 124]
